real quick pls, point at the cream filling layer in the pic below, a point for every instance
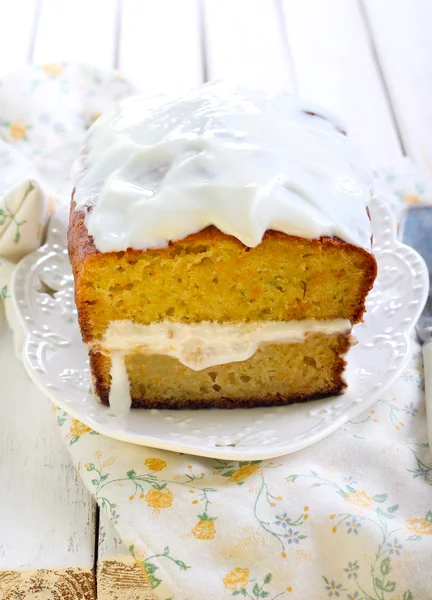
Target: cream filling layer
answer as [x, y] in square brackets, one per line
[198, 345]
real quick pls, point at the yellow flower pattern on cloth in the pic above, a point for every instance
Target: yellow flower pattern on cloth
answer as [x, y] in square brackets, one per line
[77, 429]
[413, 198]
[159, 498]
[420, 526]
[18, 131]
[204, 529]
[359, 498]
[237, 579]
[53, 69]
[155, 464]
[257, 507]
[243, 473]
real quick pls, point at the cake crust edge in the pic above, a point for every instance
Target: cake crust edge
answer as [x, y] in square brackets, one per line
[82, 251]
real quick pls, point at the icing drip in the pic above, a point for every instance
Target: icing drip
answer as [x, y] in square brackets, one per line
[119, 396]
[158, 169]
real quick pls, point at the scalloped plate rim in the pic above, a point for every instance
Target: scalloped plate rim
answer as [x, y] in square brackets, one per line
[223, 452]
[227, 451]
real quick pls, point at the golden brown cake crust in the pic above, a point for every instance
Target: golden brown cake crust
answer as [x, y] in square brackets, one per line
[81, 246]
[83, 253]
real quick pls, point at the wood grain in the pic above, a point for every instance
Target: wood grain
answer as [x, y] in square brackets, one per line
[46, 517]
[79, 31]
[160, 44]
[245, 45]
[47, 584]
[118, 575]
[401, 30]
[334, 65]
[16, 33]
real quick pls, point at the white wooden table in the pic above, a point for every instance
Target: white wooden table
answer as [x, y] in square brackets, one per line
[368, 60]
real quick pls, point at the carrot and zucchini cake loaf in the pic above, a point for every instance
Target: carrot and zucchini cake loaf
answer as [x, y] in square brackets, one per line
[221, 249]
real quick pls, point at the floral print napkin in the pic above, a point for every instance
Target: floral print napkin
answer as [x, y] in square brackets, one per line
[349, 518]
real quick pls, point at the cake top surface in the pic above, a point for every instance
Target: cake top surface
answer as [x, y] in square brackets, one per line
[158, 169]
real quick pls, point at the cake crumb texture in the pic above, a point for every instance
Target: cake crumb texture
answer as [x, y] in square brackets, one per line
[210, 276]
[276, 374]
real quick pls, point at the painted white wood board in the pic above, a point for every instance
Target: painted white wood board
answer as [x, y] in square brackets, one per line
[245, 45]
[78, 31]
[16, 30]
[160, 44]
[334, 65]
[46, 516]
[118, 575]
[402, 33]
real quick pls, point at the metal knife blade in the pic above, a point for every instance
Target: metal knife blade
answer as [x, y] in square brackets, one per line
[416, 231]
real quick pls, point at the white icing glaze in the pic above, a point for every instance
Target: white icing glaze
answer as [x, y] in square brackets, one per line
[159, 169]
[198, 346]
[119, 396]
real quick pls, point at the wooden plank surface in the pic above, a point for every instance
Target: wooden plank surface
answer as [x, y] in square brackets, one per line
[41, 584]
[79, 31]
[244, 44]
[17, 23]
[118, 576]
[47, 522]
[401, 31]
[334, 65]
[160, 44]
[47, 528]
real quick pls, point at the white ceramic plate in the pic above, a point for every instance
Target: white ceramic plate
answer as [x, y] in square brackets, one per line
[56, 359]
